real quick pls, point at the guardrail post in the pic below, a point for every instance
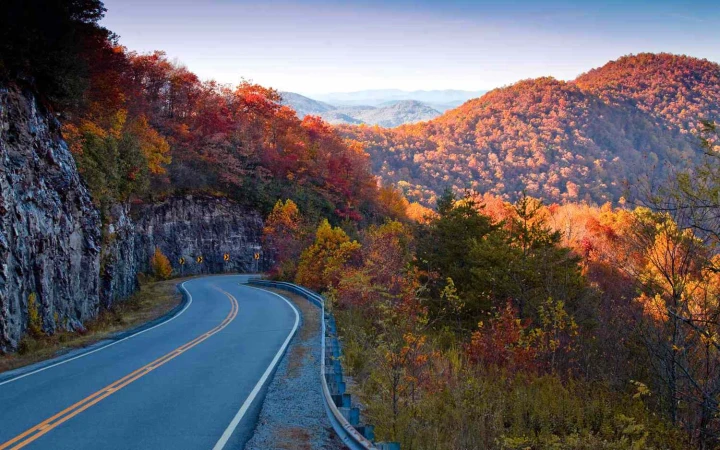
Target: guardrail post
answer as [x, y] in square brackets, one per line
[342, 400]
[352, 415]
[388, 445]
[368, 431]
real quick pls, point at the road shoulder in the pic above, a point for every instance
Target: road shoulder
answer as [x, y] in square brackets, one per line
[293, 414]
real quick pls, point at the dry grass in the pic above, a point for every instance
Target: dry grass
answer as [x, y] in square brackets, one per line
[293, 438]
[153, 300]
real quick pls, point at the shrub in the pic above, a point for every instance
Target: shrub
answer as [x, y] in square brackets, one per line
[160, 265]
[34, 319]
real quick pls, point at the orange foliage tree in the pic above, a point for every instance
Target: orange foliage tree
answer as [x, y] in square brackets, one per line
[323, 263]
[679, 299]
[160, 265]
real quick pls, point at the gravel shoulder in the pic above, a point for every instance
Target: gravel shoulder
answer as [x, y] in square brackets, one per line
[293, 415]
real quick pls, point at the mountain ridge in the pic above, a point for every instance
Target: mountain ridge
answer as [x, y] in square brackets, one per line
[584, 139]
[376, 97]
[389, 114]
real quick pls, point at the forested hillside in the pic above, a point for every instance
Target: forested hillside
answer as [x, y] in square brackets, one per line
[562, 141]
[152, 128]
[142, 127]
[674, 90]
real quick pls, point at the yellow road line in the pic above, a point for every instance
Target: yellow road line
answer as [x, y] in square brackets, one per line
[68, 413]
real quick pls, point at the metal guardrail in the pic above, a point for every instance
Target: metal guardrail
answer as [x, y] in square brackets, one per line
[338, 406]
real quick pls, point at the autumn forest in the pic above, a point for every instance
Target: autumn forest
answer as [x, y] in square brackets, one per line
[535, 269]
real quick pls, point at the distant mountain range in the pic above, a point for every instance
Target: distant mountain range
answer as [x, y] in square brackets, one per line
[388, 113]
[304, 106]
[440, 100]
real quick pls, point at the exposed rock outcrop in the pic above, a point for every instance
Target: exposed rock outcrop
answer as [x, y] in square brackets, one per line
[49, 228]
[187, 228]
[53, 244]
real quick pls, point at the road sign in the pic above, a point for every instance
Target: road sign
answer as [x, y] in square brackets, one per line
[257, 256]
[182, 261]
[226, 256]
[199, 259]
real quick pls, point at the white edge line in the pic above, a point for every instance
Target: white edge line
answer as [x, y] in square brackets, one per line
[248, 401]
[105, 346]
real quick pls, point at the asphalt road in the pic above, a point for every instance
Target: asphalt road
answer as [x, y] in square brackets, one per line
[193, 382]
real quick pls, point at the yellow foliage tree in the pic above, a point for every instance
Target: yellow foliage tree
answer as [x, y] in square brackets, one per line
[117, 155]
[419, 213]
[160, 265]
[393, 202]
[34, 319]
[284, 218]
[153, 146]
[322, 264]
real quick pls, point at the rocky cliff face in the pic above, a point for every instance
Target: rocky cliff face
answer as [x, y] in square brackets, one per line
[53, 245]
[49, 229]
[184, 229]
[199, 226]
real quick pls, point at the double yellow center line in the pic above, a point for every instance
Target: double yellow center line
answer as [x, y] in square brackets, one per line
[68, 413]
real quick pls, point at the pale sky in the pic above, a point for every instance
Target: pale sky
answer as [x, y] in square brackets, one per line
[325, 46]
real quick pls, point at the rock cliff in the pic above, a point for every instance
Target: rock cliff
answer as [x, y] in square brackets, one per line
[49, 228]
[185, 228]
[53, 244]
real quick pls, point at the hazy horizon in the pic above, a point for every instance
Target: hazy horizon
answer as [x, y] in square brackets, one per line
[324, 46]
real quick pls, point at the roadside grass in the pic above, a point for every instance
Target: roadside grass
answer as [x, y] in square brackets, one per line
[154, 299]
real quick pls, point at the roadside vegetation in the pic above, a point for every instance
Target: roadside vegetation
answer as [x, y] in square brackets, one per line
[152, 300]
[490, 325]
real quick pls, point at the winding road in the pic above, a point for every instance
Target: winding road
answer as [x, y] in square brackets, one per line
[194, 381]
